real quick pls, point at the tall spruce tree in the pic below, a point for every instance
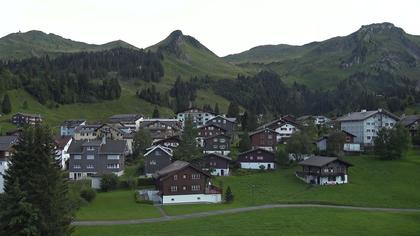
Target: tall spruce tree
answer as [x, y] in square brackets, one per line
[36, 189]
[187, 149]
[216, 109]
[6, 105]
[156, 113]
[233, 110]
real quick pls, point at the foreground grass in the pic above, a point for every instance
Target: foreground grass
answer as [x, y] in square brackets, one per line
[304, 221]
[116, 205]
[373, 183]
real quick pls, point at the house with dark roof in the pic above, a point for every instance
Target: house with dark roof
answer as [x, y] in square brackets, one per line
[349, 145]
[227, 123]
[68, 126]
[285, 126]
[182, 182]
[257, 159]
[96, 157]
[7, 144]
[320, 170]
[216, 164]
[412, 123]
[156, 158]
[160, 128]
[170, 142]
[128, 120]
[219, 143]
[264, 138]
[366, 124]
[26, 119]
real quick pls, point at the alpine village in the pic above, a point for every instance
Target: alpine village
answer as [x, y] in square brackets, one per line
[173, 140]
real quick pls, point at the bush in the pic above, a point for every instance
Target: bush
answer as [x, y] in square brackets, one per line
[145, 182]
[88, 194]
[109, 182]
[130, 183]
[228, 195]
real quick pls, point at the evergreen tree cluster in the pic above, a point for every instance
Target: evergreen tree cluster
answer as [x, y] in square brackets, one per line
[184, 93]
[81, 77]
[390, 144]
[153, 96]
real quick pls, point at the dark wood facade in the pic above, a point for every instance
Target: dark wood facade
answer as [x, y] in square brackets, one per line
[171, 142]
[26, 119]
[215, 161]
[156, 159]
[217, 144]
[210, 130]
[264, 138]
[256, 155]
[226, 123]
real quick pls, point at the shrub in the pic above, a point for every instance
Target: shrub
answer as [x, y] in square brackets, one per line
[88, 194]
[109, 182]
[228, 195]
[145, 182]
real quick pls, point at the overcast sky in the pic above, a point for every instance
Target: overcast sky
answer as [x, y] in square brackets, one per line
[224, 26]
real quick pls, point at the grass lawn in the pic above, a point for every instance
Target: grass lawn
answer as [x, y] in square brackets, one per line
[373, 183]
[116, 205]
[305, 221]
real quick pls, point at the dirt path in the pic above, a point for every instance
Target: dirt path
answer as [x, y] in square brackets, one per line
[165, 217]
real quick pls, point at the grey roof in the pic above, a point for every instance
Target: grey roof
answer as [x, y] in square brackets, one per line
[109, 147]
[261, 130]
[175, 166]
[231, 119]
[87, 128]
[282, 120]
[7, 142]
[320, 161]
[212, 124]
[72, 123]
[174, 123]
[408, 120]
[90, 143]
[125, 118]
[28, 114]
[363, 115]
[218, 155]
[254, 150]
[217, 135]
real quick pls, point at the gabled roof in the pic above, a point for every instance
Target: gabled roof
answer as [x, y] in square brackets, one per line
[164, 149]
[262, 130]
[363, 115]
[175, 167]
[281, 120]
[28, 114]
[7, 142]
[174, 123]
[217, 135]
[254, 150]
[230, 119]
[72, 123]
[343, 131]
[125, 118]
[109, 147]
[408, 120]
[320, 161]
[217, 155]
[61, 141]
[212, 124]
[195, 110]
[168, 138]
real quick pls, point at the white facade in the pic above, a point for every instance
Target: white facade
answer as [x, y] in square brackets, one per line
[225, 153]
[219, 172]
[192, 198]
[63, 155]
[285, 131]
[87, 175]
[352, 147]
[310, 179]
[199, 117]
[366, 130]
[96, 182]
[256, 165]
[3, 167]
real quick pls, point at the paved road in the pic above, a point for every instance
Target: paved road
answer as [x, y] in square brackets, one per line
[234, 210]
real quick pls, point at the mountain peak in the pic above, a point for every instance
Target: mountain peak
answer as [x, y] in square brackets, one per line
[384, 27]
[176, 34]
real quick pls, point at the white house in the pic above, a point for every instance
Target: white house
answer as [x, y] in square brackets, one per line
[198, 116]
[257, 159]
[68, 126]
[364, 125]
[128, 120]
[284, 127]
[62, 146]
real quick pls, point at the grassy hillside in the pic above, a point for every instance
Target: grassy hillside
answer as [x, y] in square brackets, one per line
[375, 47]
[100, 111]
[37, 43]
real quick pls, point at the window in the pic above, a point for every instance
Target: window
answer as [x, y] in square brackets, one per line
[184, 176]
[260, 158]
[90, 157]
[152, 163]
[89, 166]
[175, 177]
[195, 187]
[270, 136]
[368, 137]
[222, 147]
[184, 188]
[222, 140]
[174, 188]
[197, 176]
[113, 166]
[113, 157]
[90, 148]
[215, 140]
[391, 124]
[158, 153]
[77, 167]
[77, 157]
[214, 146]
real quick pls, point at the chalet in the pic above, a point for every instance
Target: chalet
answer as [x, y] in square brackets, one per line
[284, 126]
[264, 138]
[198, 116]
[349, 145]
[96, 157]
[216, 164]
[257, 159]
[26, 119]
[6, 151]
[412, 123]
[208, 130]
[162, 128]
[322, 170]
[170, 142]
[182, 182]
[62, 144]
[131, 121]
[68, 126]
[224, 122]
[156, 158]
[364, 125]
[217, 144]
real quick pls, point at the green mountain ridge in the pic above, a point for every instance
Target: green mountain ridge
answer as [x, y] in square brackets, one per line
[37, 43]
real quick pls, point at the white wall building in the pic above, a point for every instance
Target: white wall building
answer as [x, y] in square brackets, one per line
[199, 116]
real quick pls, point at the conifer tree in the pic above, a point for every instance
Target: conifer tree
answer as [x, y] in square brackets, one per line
[156, 113]
[187, 149]
[216, 109]
[228, 195]
[35, 177]
[6, 106]
[245, 142]
[233, 110]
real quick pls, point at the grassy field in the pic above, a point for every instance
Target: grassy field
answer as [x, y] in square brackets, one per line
[307, 221]
[116, 205]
